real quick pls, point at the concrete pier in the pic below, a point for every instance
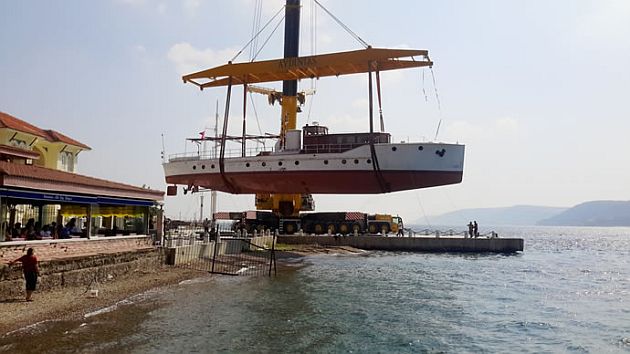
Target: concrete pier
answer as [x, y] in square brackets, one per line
[412, 244]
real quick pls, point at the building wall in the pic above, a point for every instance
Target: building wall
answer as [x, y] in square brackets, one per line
[50, 152]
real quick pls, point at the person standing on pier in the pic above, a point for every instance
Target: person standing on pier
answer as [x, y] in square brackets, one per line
[31, 271]
[475, 229]
[470, 229]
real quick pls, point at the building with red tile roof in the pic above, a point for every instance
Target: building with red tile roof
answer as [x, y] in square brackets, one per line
[38, 183]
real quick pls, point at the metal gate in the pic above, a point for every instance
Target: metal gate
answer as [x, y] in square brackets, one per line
[195, 248]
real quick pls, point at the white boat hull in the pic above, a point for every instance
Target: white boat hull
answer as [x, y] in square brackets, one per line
[403, 166]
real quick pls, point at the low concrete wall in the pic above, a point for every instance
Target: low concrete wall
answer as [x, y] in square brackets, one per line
[413, 244]
[187, 250]
[78, 271]
[185, 254]
[261, 242]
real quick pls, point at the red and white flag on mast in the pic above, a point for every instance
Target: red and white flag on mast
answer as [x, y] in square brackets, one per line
[203, 134]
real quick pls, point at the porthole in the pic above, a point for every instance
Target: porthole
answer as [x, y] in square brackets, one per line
[264, 164]
[420, 147]
[279, 163]
[297, 163]
[325, 162]
[356, 161]
[212, 166]
[394, 148]
[194, 167]
[203, 167]
[343, 161]
[247, 164]
[369, 161]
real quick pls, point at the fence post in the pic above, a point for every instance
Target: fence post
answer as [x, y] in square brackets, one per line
[272, 258]
[214, 254]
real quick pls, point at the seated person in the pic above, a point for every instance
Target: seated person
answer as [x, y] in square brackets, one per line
[7, 235]
[30, 233]
[17, 230]
[45, 232]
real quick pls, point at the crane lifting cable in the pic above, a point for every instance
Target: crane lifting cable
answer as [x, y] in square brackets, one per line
[268, 38]
[257, 34]
[343, 25]
[437, 98]
[255, 28]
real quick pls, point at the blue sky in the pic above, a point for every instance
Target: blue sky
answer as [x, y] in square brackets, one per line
[537, 90]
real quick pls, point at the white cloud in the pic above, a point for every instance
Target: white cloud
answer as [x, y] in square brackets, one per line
[189, 59]
[191, 6]
[610, 22]
[161, 8]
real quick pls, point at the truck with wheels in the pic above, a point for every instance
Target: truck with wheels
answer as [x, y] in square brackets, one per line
[318, 223]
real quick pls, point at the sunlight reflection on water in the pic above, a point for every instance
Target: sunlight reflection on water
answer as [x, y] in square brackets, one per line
[568, 291]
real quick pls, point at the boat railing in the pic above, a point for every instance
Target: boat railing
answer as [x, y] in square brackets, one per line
[214, 154]
[262, 151]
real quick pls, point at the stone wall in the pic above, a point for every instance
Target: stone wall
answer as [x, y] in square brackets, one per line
[78, 271]
[58, 249]
[77, 262]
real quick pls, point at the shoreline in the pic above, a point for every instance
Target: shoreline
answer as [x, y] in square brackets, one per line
[74, 303]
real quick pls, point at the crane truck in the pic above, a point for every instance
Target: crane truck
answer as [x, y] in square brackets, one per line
[344, 223]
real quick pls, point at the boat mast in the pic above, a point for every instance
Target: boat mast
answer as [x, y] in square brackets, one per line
[291, 50]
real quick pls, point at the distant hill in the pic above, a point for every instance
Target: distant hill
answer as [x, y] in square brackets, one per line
[514, 215]
[595, 213]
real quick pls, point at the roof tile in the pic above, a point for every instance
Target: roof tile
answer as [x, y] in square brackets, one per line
[11, 122]
[55, 176]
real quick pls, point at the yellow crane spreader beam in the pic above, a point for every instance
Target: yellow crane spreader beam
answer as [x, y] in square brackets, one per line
[315, 66]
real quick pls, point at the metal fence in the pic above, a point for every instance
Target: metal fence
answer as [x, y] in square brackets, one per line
[220, 252]
[447, 232]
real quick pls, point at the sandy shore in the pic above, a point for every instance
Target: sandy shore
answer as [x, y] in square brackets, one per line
[75, 302]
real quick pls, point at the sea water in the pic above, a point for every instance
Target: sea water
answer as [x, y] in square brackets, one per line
[569, 291]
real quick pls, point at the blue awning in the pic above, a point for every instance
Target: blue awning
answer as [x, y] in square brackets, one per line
[57, 198]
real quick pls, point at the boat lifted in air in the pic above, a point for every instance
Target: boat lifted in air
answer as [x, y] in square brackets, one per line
[312, 160]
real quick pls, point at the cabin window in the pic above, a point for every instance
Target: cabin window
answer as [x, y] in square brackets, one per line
[369, 161]
[356, 161]
[279, 163]
[343, 161]
[264, 164]
[203, 167]
[297, 163]
[194, 167]
[247, 164]
[212, 166]
[325, 162]
[420, 147]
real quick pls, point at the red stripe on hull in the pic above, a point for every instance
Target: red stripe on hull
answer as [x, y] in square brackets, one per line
[318, 182]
